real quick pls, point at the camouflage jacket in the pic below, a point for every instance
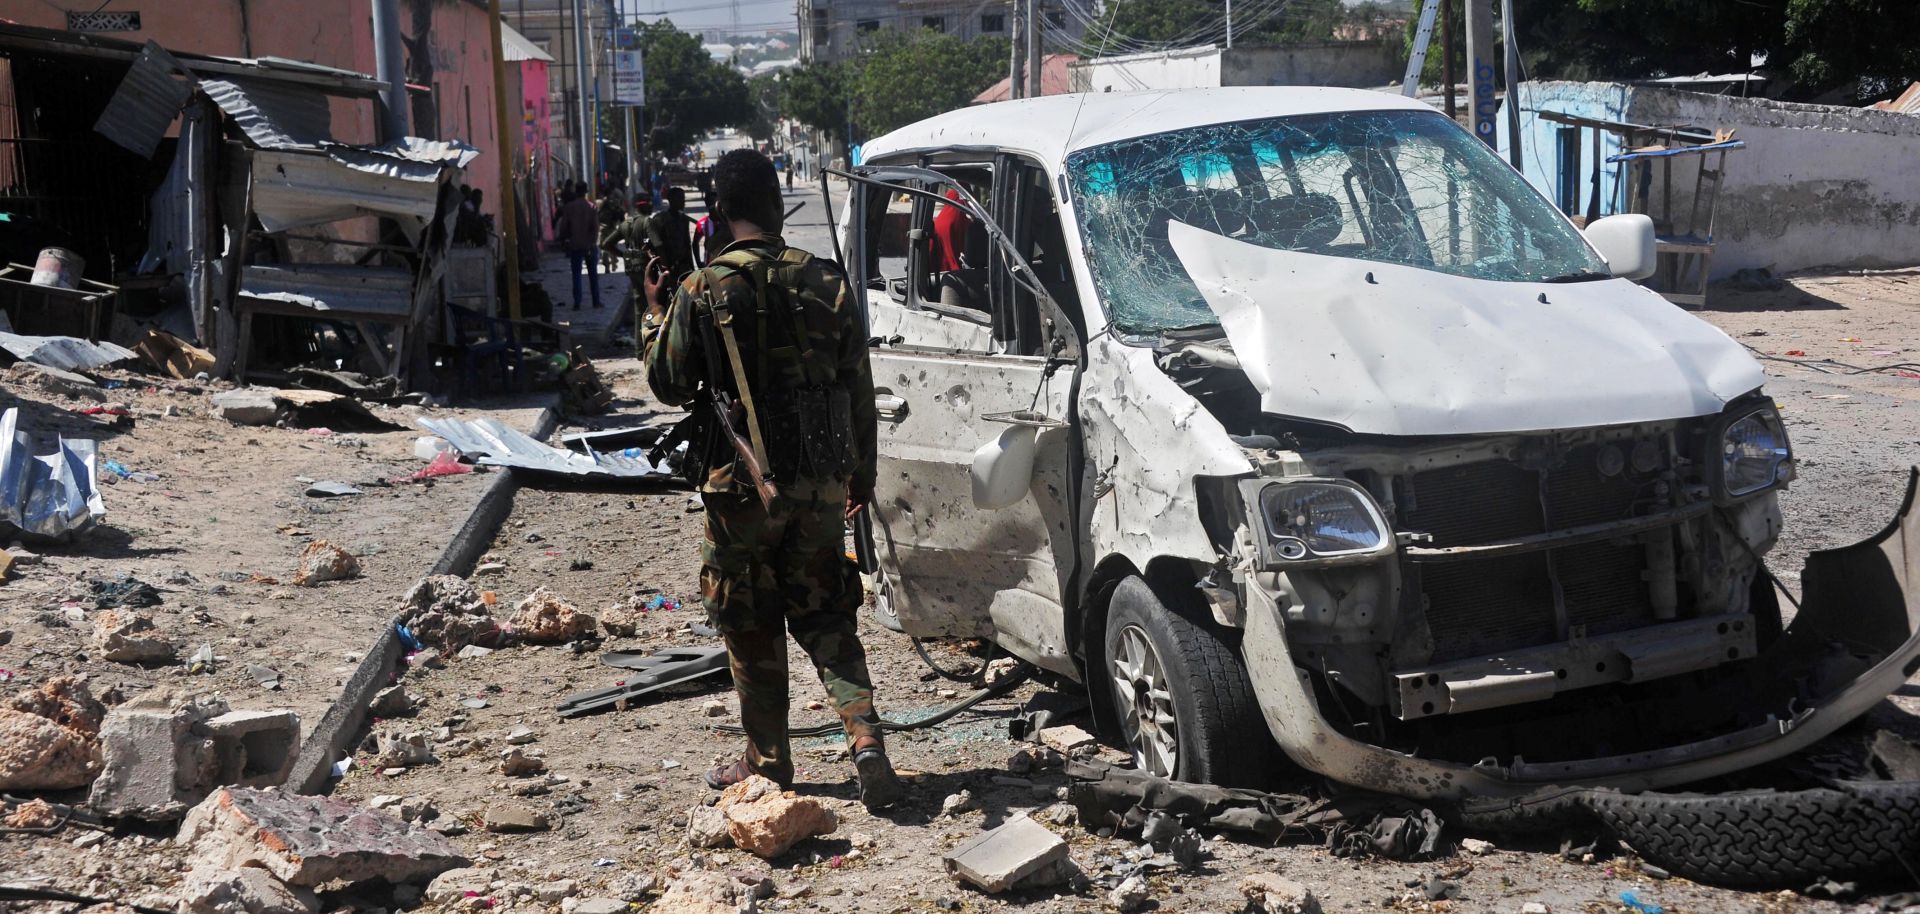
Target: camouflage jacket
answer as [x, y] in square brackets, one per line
[676, 356]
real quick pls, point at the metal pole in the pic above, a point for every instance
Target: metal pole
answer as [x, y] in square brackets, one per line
[1480, 71]
[504, 131]
[1229, 25]
[1035, 61]
[1446, 54]
[583, 101]
[1017, 82]
[391, 65]
[1513, 83]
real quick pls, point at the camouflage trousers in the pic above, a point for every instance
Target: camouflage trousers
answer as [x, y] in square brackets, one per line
[766, 573]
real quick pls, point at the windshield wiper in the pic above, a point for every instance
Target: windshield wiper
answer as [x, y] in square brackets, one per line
[1578, 276]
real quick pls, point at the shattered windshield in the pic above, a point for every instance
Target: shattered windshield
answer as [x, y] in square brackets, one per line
[1402, 187]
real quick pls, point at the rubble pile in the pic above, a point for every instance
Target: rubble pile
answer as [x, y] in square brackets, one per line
[446, 612]
[163, 752]
[50, 736]
[308, 841]
[705, 893]
[545, 618]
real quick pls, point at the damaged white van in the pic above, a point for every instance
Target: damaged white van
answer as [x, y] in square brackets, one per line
[1297, 412]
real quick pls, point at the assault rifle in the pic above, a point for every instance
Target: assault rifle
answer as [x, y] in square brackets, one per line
[729, 411]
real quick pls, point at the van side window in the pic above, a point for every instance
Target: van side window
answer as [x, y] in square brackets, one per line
[953, 274]
[1032, 216]
[890, 220]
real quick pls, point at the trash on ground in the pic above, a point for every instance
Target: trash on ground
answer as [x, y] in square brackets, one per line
[492, 442]
[125, 591]
[651, 672]
[444, 463]
[53, 495]
[327, 488]
[1634, 903]
[173, 355]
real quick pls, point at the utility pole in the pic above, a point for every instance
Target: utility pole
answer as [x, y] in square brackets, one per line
[1480, 71]
[1036, 61]
[583, 99]
[504, 132]
[1446, 55]
[391, 66]
[1229, 25]
[1017, 81]
[1513, 82]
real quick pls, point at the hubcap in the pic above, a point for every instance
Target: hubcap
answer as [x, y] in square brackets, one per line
[1145, 704]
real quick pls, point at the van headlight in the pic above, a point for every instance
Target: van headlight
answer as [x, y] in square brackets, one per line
[1316, 521]
[1753, 453]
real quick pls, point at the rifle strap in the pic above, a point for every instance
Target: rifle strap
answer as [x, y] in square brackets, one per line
[746, 393]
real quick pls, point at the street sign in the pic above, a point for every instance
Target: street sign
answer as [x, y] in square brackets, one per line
[626, 40]
[629, 78]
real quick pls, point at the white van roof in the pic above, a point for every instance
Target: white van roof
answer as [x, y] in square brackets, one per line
[1049, 128]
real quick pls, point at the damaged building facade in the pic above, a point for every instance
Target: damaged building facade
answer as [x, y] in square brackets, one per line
[215, 193]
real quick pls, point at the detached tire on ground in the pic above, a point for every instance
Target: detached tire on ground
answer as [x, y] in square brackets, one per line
[1172, 671]
[1766, 838]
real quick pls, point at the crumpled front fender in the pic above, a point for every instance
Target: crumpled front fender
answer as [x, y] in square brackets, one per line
[1855, 639]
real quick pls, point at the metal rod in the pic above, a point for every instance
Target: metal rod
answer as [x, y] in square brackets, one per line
[1512, 49]
[583, 102]
[391, 66]
[503, 130]
[1035, 58]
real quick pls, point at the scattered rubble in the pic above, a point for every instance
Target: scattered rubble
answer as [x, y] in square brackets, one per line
[241, 890]
[155, 765]
[1477, 846]
[705, 893]
[513, 817]
[545, 618]
[1067, 740]
[307, 840]
[403, 750]
[127, 637]
[323, 561]
[447, 612]
[707, 828]
[516, 762]
[49, 736]
[1268, 893]
[35, 813]
[765, 822]
[956, 804]
[1130, 895]
[392, 701]
[1020, 853]
[246, 406]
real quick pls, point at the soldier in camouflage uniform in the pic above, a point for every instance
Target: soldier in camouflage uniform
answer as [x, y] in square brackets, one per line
[765, 571]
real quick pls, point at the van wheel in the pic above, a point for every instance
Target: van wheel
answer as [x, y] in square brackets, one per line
[1179, 690]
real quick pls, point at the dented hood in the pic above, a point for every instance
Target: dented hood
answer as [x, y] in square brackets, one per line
[1384, 349]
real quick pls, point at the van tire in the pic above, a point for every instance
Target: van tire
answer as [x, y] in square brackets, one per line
[1767, 838]
[1221, 736]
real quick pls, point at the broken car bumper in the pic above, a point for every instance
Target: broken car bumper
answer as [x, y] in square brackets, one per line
[1854, 641]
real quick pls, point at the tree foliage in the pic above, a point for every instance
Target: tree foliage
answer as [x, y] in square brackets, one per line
[898, 77]
[817, 94]
[1201, 21]
[909, 76]
[688, 92]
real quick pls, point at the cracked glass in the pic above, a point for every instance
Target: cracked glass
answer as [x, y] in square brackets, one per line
[1400, 187]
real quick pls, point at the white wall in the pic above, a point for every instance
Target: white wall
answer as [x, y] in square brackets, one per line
[1192, 68]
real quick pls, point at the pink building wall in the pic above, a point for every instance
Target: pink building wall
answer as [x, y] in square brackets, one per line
[536, 138]
[334, 33]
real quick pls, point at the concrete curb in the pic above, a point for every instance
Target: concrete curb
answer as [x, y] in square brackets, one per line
[341, 724]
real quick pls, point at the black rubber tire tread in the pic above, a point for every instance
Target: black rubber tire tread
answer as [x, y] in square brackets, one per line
[1554, 812]
[1770, 839]
[1223, 737]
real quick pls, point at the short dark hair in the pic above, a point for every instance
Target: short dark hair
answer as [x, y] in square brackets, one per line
[746, 187]
[676, 194]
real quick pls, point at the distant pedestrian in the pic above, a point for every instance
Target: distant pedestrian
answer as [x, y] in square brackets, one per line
[711, 234]
[577, 233]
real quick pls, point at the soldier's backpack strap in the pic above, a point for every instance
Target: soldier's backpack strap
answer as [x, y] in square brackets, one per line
[723, 317]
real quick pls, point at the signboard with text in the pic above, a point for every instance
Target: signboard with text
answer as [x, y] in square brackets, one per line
[629, 78]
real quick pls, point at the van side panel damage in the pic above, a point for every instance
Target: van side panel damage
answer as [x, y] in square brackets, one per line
[1855, 640]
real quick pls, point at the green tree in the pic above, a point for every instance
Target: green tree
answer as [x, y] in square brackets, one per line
[817, 94]
[765, 93]
[904, 77]
[688, 92]
[1867, 49]
[1202, 21]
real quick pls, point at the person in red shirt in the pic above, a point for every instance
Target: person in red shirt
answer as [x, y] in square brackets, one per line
[950, 227]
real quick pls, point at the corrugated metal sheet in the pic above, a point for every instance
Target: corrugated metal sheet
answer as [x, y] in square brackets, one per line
[150, 96]
[492, 442]
[517, 47]
[443, 153]
[274, 115]
[50, 495]
[69, 353]
[298, 189]
[332, 287]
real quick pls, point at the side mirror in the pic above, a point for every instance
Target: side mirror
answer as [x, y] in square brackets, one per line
[1626, 242]
[1003, 468]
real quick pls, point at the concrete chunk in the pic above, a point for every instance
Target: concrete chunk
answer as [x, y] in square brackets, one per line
[246, 406]
[244, 890]
[155, 766]
[253, 748]
[1067, 740]
[306, 841]
[766, 822]
[1268, 893]
[1021, 852]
